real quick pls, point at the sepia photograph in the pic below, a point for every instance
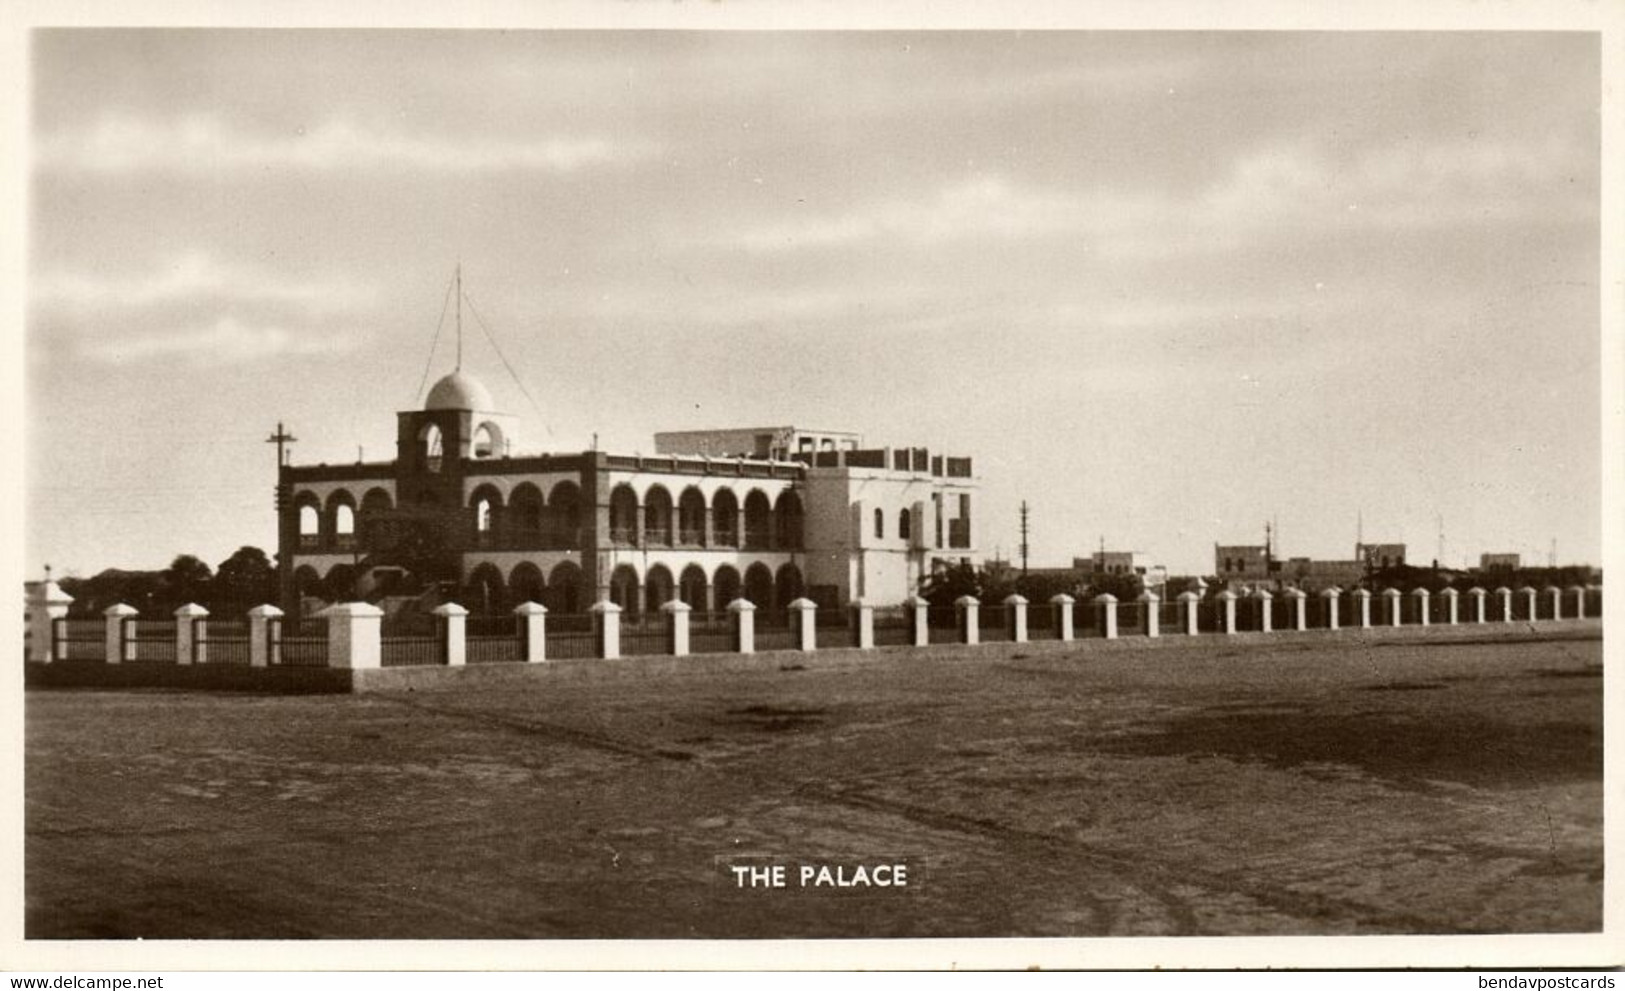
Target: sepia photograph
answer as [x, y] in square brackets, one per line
[882, 482]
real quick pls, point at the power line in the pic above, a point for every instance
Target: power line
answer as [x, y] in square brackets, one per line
[505, 363]
[445, 304]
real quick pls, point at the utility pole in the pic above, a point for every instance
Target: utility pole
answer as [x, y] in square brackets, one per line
[281, 439]
[1024, 538]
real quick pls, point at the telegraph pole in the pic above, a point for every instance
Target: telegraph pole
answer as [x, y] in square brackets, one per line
[1024, 538]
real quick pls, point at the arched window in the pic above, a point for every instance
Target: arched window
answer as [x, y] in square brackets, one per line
[485, 594]
[759, 589]
[727, 586]
[525, 583]
[657, 516]
[343, 521]
[905, 528]
[691, 588]
[488, 442]
[880, 524]
[691, 517]
[725, 520]
[623, 515]
[758, 521]
[429, 440]
[657, 589]
[525, 514]
[310, 522]
[787, 584]
[623, 588]
[566, 591]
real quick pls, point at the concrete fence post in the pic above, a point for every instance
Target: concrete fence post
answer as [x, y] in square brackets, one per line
[1153, 622]
[676, 626]
[863, 624]
[353, 635]
[1330, 599]
[1529, 596]
[119, 648]
[744, 625]
[259, 634]
[1505, 595]
[1107, 603]
[1421, 596]
[970, 630]
[1227, 603]
[1362, 602]
[1015, 614]
[454, 633]
[1452, 603]
[190, 629]
[1579, 601]
[1478, 596]
[606, 628]
[1556, 595]
[533, 620]
[1192, 602]
[45, 603]
[1395, 605]
[920, 628]
[1300, 608]
[1265, 606]
[1063, 615]
[804, 618]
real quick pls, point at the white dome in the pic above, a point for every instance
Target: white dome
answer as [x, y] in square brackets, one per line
[458, 391]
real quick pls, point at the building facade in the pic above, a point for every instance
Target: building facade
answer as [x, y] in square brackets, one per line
[830, 521]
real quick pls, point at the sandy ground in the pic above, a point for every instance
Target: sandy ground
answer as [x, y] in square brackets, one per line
[1257, 789]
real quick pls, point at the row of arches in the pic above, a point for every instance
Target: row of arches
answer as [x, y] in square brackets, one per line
[527, 520]
[564, 590]
[691, 521]
[335, 522]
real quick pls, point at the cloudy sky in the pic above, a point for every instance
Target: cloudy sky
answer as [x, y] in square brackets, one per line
[1163, 286]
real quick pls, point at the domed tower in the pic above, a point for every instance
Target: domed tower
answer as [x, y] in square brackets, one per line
[439, 444]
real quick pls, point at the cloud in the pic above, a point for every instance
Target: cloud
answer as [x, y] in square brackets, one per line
[205, 143]
[194, 278]
[226, 341]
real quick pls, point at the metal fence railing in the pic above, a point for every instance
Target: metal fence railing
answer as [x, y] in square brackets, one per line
[79, 639]
[149, 640]
[570, 636]
[220, 641]
[894, 627]
[488, 639]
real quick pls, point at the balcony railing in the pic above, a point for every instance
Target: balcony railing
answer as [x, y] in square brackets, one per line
[691, 536]
[756, 539]
[627, 535]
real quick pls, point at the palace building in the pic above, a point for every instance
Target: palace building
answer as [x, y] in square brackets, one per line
[767, 514]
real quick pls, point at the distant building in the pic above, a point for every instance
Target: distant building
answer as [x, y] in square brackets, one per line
[771, 443]
[1500, 562]
[1242, 562]
[1104, 562]
[1380, 556]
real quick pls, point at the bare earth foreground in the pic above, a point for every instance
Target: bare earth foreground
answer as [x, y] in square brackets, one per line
[1287, 787]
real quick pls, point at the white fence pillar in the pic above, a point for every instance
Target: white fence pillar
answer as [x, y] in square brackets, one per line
[1362, 602]
[1396, 606]
[744, 625]
[1153, 622]
[1556, 595]
[1452, 604]
[1421, 596]
[676, 627]
[119, 648]
[1063, 615]
[1529, 596]
[353, 635]
[45, 603]
[1015, 616]
[1107, 604]
[454, 633]
[190, 628]
[606, 628]
[1505, 595]
[533, 620]
[863, 624]
[1579, 601]
[804, 620]
[1227, 605]
[1192, 602]
[1478, 595]
[259, 634]
[1265, 606]
[920, 610]
[1300, 608]
[970, 630]
[1330, 599]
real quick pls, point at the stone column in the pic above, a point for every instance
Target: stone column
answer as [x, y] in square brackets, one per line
[118, 648]
[1300, 608]
[921, 627]
[533, 620]
[353, 631]
[1192, 602]
[1153, 622]
[1362, 600]
[1266, 621]
[45, 603]
[970, 630]
[1063, 615]
[1579, 601]
[1227, 602]
[453, 620]
[1451, 605]
[1556, 595]
[1395, 606]
[804, 620]
[1015, 612]
[1421, 596]
[1529, 595]
[1505, 595]
[606, 628]
[863, 624]
[744, 613]
[1478, 595]
[676, 626]
[187, 634]
[259, 635]
[1107, 603]
[1331, 598]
